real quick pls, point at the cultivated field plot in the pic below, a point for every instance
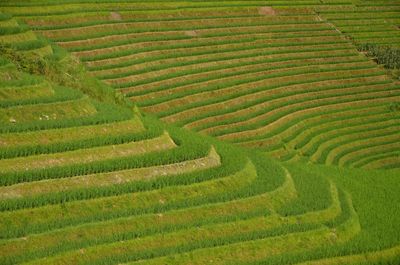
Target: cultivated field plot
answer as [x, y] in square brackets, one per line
[285, 77]
[198, 132]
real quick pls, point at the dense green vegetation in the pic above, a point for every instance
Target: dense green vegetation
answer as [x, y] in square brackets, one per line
[199, 132]
[253, 73]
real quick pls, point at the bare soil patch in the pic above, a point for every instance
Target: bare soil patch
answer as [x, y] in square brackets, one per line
[115, 16]
[191, 33]
[267, 11]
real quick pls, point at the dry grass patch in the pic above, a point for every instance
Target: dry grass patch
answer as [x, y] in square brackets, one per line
[115, 16]
[267, 11]
[191, 33]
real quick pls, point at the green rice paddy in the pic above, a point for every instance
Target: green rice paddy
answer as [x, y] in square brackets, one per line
[199, 132]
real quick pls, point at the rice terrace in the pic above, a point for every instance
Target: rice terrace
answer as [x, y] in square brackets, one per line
[171, 132]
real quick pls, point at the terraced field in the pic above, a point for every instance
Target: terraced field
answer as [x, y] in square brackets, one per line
[261, 76]
[198, 132]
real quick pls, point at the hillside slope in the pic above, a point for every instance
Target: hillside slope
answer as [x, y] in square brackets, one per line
[90, 177]
[281, 76]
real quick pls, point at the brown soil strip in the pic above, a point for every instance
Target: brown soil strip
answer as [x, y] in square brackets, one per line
[267, 11]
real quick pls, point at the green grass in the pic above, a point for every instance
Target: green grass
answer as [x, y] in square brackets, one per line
[228, 114]
[66, 139]
[262, 78]
[142, 132]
